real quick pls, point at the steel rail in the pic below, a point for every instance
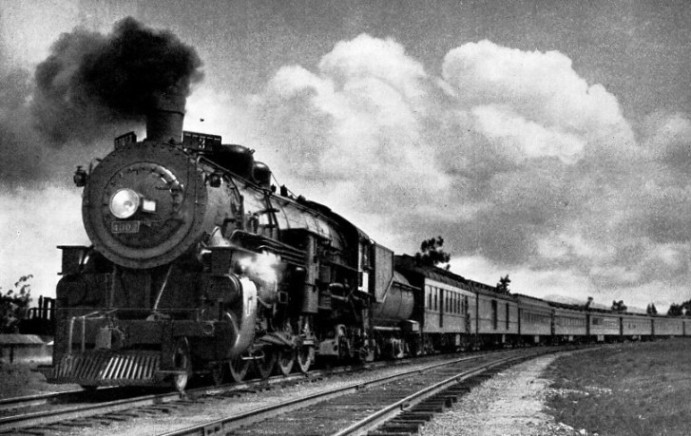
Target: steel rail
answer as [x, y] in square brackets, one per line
[224, 425]
[35, 400]
[39, 399]
[16, 403]
[81, 411]
[39, 418]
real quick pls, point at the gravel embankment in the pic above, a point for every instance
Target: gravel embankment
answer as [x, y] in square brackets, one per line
[510, 403]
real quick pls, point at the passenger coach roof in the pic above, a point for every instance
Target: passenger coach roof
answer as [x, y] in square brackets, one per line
[582, 308]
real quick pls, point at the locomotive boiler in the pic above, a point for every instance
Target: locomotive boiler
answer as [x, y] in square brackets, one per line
[199, 267]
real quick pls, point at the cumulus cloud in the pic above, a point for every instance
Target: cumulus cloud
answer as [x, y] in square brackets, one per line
[668, 139]
[354, 124]
[543, 87]
[518, 162]
[509, 154]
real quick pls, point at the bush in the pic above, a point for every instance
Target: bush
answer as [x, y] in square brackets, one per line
[14, 304]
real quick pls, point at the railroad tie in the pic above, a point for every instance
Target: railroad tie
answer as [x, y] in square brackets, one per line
[379, 433]
[484, 376]
[408, 421]
[71, 425]
[160, 409]
[416, 415]
[391, 427]
[429, 409]
[458, 390]
[450, 399]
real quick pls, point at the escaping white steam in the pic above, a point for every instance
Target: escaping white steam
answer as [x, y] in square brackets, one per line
[264, 270]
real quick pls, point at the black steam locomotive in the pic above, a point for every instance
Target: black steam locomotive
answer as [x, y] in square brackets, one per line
[199, 267]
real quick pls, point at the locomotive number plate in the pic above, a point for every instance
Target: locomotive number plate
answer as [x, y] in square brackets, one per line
[125, 227]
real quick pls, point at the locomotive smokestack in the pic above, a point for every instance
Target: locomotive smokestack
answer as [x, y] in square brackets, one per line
[164, 119]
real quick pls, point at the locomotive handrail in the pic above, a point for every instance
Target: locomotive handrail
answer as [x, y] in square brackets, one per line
[287, 252]
[163, 287]
[70, 334]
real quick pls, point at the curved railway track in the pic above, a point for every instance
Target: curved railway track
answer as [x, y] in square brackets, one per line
[68, 411]
[396, 404]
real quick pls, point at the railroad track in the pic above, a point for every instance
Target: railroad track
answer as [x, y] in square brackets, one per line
[13, 406]
[15, 419]
[394, 404]
[37, 400]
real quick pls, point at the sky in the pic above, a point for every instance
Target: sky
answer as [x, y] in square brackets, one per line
[547, 140]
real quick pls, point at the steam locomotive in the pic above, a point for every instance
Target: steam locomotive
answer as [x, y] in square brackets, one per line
[198, 267]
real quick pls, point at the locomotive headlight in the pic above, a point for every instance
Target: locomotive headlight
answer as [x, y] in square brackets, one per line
[124, 203]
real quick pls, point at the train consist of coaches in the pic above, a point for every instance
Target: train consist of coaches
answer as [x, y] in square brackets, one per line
[198, 267]
[457, 313]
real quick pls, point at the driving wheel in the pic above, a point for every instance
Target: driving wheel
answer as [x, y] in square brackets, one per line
[265, 365]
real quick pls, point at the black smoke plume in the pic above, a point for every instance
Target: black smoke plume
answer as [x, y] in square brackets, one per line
[92, 82]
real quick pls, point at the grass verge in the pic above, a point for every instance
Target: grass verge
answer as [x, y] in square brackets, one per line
[627, 389]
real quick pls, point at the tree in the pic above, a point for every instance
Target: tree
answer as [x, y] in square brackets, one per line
[618, 306]
[651, 309]
[686, 308]
[432, 254]
[503, 285]
[683, 309]
[675, 310]
[14, 304]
